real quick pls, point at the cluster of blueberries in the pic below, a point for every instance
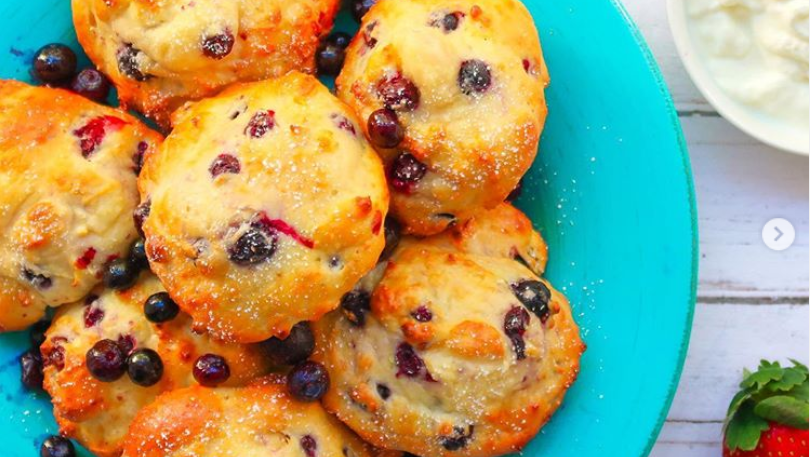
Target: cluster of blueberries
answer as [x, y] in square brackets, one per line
[55, 65]
[109, 360]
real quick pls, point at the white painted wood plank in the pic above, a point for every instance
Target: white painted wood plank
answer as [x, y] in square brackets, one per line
[680, 439]
[740, 185]
[651, 17]
[727, 338]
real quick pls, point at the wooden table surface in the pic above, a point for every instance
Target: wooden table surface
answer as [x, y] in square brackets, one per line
[752, 302]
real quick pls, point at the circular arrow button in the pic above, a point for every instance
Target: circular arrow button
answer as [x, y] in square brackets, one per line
[778, 234]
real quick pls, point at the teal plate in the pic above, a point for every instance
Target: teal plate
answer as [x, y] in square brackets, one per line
[611, 191]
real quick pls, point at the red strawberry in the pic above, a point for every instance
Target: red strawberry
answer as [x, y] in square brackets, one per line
[769, 416]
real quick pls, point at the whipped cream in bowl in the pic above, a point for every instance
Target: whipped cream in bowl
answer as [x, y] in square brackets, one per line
[749, 58]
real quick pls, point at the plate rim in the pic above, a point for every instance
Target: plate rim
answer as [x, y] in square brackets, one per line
[656, 72]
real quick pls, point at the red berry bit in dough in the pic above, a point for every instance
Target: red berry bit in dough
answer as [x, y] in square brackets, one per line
[56, 356]
[92, 316]
[406, 171]
[309, 445]
[515, 325]
[377, 223]
[138, 157]
[399, 93]
[218, 46]
[410, 364]
[261, 123]
[86, 259]
[224, 163]
[93, 133]
[422, 314]
[368, 40]
[344, 124]
[283, 227]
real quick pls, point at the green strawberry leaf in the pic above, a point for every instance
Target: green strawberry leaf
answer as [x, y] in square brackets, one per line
[770, 394]
[744, 429]
[784, 410]
[800, 392]
[735, 404]
[766, 373]
[791, 377]
[800, 366]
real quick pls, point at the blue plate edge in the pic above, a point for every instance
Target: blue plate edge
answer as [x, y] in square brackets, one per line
[653, 65]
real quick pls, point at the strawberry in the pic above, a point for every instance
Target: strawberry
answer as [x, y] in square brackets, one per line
[769, 416]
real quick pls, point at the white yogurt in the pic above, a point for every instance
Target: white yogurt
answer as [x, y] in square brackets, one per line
[757, 52]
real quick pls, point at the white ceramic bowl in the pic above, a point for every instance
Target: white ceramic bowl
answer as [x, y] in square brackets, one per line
[768, 130]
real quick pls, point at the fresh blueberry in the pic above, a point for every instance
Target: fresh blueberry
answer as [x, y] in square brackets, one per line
[31, 369]
[474, 77]
[138, 254]
[57, 446]
[160, 307]
[37, 333]
[534, 295]
[54, 63]
[211, 370]
[308, 381]
[91, 83]
[392, 231]
[139, 216]
[218, 46]
[121, 274]
[355, 304]
[340, 39]
[297, 347]
[331, 54]
[384, 128]
[361, 7]
[105, 361]
[516, 192]
[145, 367]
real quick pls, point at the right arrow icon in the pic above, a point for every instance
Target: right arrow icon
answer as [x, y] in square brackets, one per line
[778, 234]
